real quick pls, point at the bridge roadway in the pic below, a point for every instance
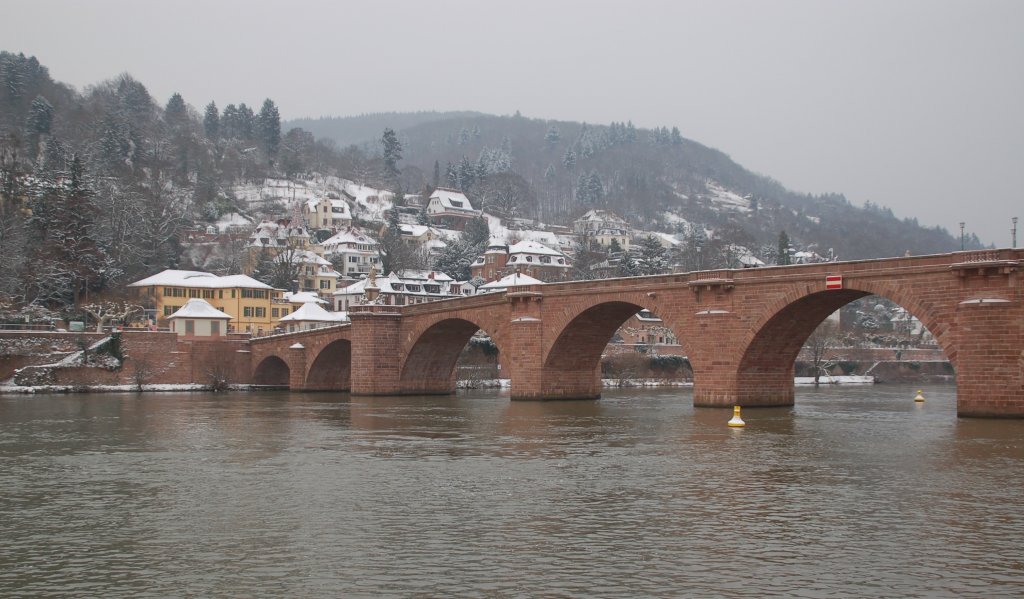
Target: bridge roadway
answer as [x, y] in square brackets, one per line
[742, 331]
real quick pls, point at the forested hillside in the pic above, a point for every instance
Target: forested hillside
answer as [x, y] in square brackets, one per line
[657, 179]
[97, 186]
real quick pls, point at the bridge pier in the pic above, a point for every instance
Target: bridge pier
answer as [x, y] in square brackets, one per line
[747, 389]
[990, 359]
[376, 366]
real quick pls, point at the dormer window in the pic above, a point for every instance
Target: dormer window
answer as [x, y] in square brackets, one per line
[529, 258]
[456, 203]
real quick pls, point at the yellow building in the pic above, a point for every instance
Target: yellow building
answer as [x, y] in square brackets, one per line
[246, 299]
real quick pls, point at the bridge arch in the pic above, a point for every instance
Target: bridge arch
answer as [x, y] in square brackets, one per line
[434, 349]
[272, 370]
[572, 360]
[768, 353]
[331, 369]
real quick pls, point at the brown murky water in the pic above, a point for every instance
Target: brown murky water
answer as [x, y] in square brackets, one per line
[855, 492]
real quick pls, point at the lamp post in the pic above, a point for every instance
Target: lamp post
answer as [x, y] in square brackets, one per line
[1013, 232]
[962, 236]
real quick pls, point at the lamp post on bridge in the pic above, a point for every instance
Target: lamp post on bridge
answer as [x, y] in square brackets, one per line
[1013, 232]
[962, 236]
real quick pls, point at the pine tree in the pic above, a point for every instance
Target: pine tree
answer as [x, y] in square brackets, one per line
[652, 257]
[677, 138]
[176, 113]
[392, 152]
[211, 122]
[784, 258]
[268, 125]
[477, 232]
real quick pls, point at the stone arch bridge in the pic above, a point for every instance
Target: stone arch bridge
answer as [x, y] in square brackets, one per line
[742, 331]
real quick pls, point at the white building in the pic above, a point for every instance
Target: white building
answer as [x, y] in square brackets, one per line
[197, 318]
[358, 252]
[407, 287]
[311, 316]
[504, 283]
[450, 206]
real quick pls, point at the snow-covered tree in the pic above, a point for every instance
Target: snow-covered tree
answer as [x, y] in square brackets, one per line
[211, 121]
[268, 124]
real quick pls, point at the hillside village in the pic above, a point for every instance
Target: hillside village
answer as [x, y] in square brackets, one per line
[110, 199]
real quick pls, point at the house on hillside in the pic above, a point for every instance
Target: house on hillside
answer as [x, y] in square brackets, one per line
[604, 227]
[315, 274]
[356, 251]
[450, 208]
[407, 287]
[526, 257]
[327, 213]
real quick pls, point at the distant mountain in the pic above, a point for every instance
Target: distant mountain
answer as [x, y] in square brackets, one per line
[356, 130]
[656, 178]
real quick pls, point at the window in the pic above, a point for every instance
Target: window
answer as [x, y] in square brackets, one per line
[325, 284]
[168, 310]
[274, 312]
[529, 258]
[561, 261]
[284, 311]
[253, 293]
[310, 270]
[215, 327]
[432, 288]
[261, 312]
[193, 293]
[232, 294]
[456, 203]
[220, 294]
[353, 259]
[545, 259]
[490, 259]
[247, 312]
[208, 293]
[190, 327]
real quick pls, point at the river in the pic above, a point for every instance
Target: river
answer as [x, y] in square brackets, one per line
[854, 492]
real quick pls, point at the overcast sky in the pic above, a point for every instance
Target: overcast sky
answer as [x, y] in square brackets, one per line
[916, 105]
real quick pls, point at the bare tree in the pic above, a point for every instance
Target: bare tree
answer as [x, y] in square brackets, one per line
[820, 347]
[106, 312]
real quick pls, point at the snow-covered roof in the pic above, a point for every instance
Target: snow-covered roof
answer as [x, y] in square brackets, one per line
[302, 297]
[349, 235]
[199, 308]
[204, 280]
[339, 208]
[423, 275]
[452, 199]
[601, 215]
[301, 257]
[749, 261]
[508, 281]
[532, 247]
[311, 312]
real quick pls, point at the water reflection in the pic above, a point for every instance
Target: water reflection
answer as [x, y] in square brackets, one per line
[851, 492]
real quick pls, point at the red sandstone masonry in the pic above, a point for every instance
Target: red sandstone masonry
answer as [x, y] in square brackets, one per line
[741, 330]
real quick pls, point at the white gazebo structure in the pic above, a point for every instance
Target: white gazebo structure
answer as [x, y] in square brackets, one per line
[197, 318]
[508, 281]
[311, 316]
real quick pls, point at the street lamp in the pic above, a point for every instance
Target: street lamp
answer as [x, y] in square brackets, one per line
[962, 236]
[1013, 232]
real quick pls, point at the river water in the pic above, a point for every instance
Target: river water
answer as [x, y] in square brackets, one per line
[854, 492]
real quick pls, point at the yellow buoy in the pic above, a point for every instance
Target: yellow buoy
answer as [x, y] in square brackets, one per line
[736, 420]
[919, 397]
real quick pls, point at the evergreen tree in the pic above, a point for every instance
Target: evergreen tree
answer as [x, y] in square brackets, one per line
[477, 232]
[211, 122]
[677, 138]
[246, 122]
[784, 258]
[40, 120]
[268, 124]
[569, 159]
[553, 136]
[229, 122]
[456, 259]
[176, 113]
[652, 258]
[392, 152]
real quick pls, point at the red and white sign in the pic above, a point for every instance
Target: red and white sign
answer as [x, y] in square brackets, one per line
[833, 281]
